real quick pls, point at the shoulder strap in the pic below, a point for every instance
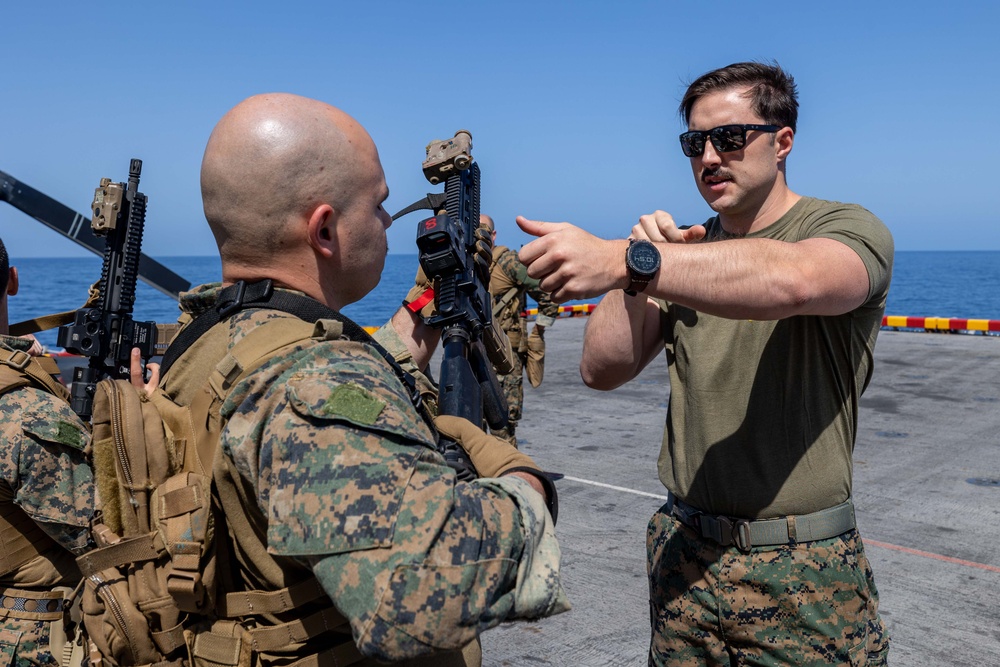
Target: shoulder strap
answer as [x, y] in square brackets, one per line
[504, 301]
[243, 296]
[23, 364]
[256, 348]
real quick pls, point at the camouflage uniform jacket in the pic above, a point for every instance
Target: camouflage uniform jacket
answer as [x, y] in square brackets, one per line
[348, 483]
[508, 273]
[46, 502]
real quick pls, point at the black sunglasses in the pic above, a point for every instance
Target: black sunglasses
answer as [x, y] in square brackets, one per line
[725, 138]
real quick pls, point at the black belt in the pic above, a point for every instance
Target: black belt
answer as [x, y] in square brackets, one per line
[746, 533]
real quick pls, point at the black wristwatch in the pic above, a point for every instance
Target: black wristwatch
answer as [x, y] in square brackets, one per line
[642, 260]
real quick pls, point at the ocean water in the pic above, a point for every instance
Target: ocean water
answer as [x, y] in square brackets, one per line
[964, 284]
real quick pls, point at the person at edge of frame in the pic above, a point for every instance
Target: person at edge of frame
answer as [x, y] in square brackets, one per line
[347, 483]
[46, 502]
[509, 285]
[768, 314]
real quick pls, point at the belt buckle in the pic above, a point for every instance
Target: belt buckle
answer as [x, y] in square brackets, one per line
[741, 535]
[735, 533]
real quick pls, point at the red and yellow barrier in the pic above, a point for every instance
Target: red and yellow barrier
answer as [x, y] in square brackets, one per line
[580, 310]
[942, 324]
[932, 324]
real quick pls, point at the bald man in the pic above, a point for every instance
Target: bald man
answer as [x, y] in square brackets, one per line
[334, 465]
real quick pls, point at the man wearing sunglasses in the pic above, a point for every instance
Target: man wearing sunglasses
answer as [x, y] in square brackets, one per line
[768, 314]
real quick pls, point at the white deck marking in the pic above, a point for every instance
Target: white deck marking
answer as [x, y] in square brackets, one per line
[612, 486]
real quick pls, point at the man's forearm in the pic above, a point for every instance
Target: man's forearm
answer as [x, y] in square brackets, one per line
[420, 339]
[737, 278]
[762, 278]
[616, 341]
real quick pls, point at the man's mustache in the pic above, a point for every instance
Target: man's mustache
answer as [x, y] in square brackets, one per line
[717, 172]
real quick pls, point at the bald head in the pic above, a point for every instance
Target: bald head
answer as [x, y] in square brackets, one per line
[268, 162]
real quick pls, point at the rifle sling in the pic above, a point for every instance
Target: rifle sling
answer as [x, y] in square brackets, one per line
[243, 296]
[46, 322]
[503, 301]
[43, 323]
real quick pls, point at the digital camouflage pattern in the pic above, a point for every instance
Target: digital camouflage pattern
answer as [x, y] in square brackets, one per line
[506, 274]
[812, 604]
[46, 498]
[347, 480]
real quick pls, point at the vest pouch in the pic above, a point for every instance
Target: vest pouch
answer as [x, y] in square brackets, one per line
[115, 626]
[224, 644]
[130, 616]
[132, 455]
[182, 515]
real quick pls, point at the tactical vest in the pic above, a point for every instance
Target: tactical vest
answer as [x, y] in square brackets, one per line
[223, 600]
[508, 302]
[21, 539]
[268, 611]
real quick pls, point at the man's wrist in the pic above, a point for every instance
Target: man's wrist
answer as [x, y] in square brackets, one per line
[543, 483]
[618, 268]
[532, 480]
[642, 263]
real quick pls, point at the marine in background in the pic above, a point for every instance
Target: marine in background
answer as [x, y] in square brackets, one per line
[46, 501]
[510, 284]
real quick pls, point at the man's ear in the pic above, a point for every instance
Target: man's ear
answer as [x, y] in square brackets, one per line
[12, 284]
[784, 139]
[321, 230]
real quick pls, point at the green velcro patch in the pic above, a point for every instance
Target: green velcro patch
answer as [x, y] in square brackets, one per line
[56, 430]
[354, 402]
[68, 434]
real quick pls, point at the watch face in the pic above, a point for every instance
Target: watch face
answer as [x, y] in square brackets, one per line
[643, 258]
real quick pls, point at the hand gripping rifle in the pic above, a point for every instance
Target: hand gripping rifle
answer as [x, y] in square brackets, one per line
[471, 342]
[106, 332]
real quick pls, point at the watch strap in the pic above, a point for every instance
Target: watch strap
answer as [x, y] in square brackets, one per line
[636, 284]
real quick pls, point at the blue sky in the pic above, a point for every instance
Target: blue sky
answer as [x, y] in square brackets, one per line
[572, 105]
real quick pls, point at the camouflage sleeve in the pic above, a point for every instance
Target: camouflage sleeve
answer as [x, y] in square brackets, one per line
[548, 310]
[347, 476]
[388, 337]
[539, 590]
[43, 460]
[515, 270]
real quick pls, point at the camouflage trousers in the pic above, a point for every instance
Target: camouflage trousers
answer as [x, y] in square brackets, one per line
[812, 603]
[513, 390]
[31, 639]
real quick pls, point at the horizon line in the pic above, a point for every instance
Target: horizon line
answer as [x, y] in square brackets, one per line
[84, 254]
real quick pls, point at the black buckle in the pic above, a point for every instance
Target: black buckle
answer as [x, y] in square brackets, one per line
[240, 294]
[720, 529]
[740, 531]
[229, 307]
[730, 532]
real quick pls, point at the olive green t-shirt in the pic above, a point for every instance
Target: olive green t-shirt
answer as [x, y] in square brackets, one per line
[763, 414]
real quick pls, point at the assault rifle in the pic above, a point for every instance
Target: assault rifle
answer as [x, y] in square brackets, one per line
[472, 345]
[106, 332]
[77, 228]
